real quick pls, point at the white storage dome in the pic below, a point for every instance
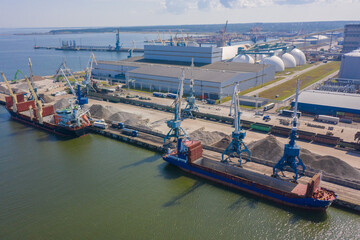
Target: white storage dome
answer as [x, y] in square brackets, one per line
[243, 58]
[275, 61]
[289, 60]
[299, 56]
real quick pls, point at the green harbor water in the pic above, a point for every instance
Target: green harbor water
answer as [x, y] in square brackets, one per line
[97, 188]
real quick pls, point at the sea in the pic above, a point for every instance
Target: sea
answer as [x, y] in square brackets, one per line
[93, 187]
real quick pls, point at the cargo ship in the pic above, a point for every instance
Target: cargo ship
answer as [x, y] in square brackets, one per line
[69, 122]
[188, 157]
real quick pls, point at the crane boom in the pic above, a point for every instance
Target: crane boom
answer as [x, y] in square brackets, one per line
[37, 101]
[11, 92]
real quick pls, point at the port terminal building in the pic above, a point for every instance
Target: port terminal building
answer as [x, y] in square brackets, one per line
[330, 103]
[162, 66]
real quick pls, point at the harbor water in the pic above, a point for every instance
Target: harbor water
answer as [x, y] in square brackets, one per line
[94, 187]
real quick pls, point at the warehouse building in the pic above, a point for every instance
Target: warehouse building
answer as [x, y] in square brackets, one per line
[200, 55]
[213, 81]
[329, 103]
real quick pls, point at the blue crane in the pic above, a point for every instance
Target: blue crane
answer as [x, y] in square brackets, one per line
[117, 46]
[176, 131]
[191, 105]
[291, 152]
[237, 146]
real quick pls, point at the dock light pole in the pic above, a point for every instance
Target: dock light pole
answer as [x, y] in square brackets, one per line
[291, 152]
[235, 147]
[176, 131]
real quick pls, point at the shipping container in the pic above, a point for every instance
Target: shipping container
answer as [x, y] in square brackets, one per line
[24, 106]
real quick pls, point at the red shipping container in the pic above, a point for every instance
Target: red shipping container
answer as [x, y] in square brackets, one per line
[9, 101]
[20, 97]
[24, 106]
[48, 110]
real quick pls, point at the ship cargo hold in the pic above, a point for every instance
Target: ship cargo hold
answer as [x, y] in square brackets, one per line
[188, 157]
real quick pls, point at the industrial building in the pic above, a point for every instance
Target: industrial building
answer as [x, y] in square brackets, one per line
[213, 81]
[351, 38]
[329, 103]
[350, 63]
[200, 55]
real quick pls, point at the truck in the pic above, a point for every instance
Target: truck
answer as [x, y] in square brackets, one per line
[129, 132]
[100, 124]
[158, 94]
[269, 106]
[266, 118]
[118, 125]
[171, 95]
[327, 119]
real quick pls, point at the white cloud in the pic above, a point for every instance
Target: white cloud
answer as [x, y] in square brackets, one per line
[181, 6]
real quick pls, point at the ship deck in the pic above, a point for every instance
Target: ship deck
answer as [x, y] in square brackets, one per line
[258, 178]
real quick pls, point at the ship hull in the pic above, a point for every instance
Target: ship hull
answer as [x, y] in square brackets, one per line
[255, 189]
[51, 128]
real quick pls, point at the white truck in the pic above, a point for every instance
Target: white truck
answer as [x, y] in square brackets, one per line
[100, 124]
[327, 119]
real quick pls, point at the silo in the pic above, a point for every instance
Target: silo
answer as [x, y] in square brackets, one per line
[275, 61]
[289, 60]
[299, 56]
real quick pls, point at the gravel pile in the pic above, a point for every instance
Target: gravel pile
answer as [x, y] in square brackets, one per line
[62, 103]
[223, 143]
[47, 98]
[271, 149]
[112, 114]
[207, 138]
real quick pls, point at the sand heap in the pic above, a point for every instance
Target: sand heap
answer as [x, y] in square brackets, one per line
[47, 98]
[223, 143]
[207, 138]
[271, 149]
[62, 103]
[112, 114]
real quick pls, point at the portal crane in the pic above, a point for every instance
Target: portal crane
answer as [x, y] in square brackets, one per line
[11, 92]
[176, 131]
[87, 81]
[191, 105]
[33, 85]
[235, 147]
[291, 152]
[117, 46]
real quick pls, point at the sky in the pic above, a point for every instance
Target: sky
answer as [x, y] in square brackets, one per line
[99, 13]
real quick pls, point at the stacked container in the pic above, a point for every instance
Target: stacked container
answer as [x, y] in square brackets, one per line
[195, 150]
